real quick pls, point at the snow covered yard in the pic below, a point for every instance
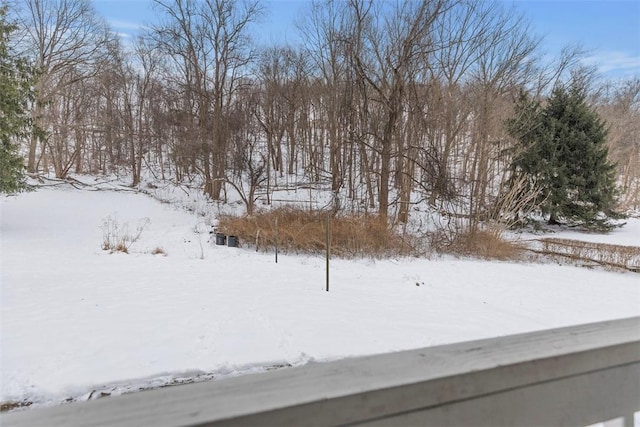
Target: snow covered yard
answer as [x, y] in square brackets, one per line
[77, 319]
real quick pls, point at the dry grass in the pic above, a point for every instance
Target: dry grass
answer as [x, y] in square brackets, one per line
[10, 406]
[158, 251]
[607, 255]
[302, 231]
[486, 244]
[116, 236]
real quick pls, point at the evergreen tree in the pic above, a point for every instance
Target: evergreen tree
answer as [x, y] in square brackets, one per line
[15, 94]
[562, 149]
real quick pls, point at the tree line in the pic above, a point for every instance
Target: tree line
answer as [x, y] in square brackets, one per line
[385, 104]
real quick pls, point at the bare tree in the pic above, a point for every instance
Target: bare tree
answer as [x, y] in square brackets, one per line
[147, 61]
[460, 35]
[324, 33]
[208, 41]
[388, 50]
[271, 115]
[619, 105]
[503, 66]
[67, 40]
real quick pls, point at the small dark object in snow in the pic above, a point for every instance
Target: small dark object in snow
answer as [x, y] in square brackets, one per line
[221, 239]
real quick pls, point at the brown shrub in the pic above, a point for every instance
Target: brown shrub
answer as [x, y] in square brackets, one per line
[10, 405]
[302, 231]
[487, 244]
[116, 237]
[603, 254]
[158, 251]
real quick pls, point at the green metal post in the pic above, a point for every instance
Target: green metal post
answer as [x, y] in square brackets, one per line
[328, 244]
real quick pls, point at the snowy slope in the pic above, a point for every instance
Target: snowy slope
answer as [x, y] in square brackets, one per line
[76, 318]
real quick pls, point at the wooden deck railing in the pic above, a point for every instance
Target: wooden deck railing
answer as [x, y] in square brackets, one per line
[576, 376]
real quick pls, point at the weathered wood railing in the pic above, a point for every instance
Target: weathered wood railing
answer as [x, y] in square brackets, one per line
[576, 376]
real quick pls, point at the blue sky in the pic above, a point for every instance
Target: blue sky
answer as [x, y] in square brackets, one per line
[609, 29]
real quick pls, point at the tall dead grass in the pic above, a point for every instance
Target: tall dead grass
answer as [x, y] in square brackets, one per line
[603, 254]
[302, 231]
[485, 244]
[116, 236]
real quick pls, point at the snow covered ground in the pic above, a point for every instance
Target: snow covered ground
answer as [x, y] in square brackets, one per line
[627, 235]
[77, 320]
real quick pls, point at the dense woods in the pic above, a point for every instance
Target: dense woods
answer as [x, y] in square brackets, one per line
[386, 105]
